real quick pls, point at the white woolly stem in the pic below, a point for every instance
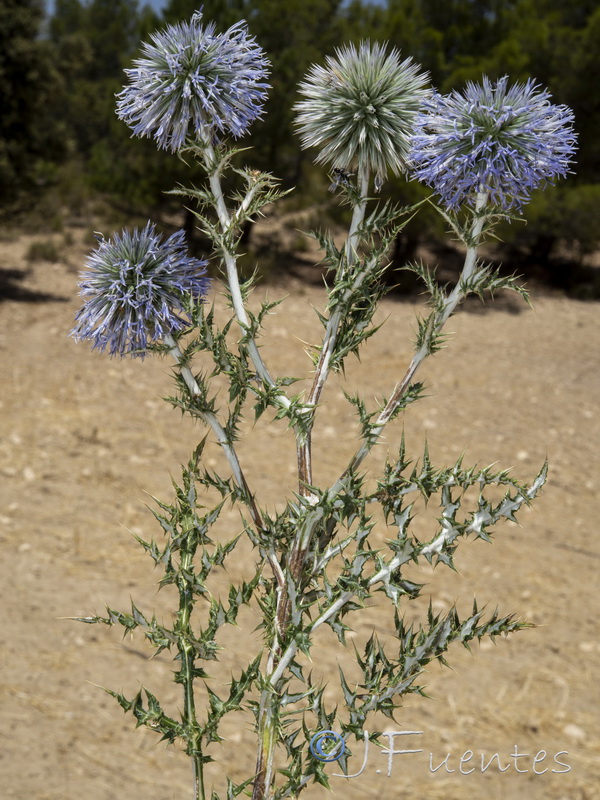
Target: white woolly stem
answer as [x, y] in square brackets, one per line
[312, 520]
[450, 304]
[327, 614]
[245, 205]
[330, 337]
[208, 417]
[266, 720]
[458, 293]
[333, 324]
[232, 274]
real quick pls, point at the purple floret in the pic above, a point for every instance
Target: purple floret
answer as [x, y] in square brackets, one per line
[192, 81]
[505, 141]
[135, 291]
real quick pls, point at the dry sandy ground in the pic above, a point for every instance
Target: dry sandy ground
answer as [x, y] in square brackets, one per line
[83, 440]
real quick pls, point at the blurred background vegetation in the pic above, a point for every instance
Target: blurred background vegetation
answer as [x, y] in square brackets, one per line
[63, 151]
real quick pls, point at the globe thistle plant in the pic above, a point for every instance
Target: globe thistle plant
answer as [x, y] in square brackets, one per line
[135, 291]
[500, 140]
[360, 108]
[192, 80]
[339, 542]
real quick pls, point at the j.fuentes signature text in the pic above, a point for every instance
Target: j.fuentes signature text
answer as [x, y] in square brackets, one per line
[466, 763]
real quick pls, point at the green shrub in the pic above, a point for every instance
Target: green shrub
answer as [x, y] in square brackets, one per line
[44, 250]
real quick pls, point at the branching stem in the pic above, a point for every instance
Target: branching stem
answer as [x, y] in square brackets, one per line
[451, 302]
[312, 520]
[297, 557]
[301, 542]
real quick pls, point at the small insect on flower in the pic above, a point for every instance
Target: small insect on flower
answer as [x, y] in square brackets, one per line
[360, 108]
[195, 82]
[340, 178]
[136, 290]
[504, 141]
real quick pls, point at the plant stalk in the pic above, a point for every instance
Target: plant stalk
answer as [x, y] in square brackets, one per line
[267, 717]
[186, 653]
[330, 339]
[233, 282]
[211, 420]
[452, 301]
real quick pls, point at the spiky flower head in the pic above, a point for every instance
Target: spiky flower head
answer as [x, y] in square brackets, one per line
[135, 290]
[192, 80]
[360, 108]
[505, 141]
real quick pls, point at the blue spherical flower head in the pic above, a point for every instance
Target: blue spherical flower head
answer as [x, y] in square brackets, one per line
[193, 81]
[504, 141]
[136, 289]
[360, 108]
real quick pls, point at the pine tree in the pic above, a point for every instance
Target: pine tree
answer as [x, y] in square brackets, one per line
[31, 137]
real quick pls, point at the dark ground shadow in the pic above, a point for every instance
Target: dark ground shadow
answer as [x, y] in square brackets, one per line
[406, 286]
[12, 288]
[573, 279]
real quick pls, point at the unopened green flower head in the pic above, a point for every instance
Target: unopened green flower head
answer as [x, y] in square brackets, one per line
[360, 108]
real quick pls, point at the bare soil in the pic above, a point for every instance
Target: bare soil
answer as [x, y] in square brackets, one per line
[86, 439]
